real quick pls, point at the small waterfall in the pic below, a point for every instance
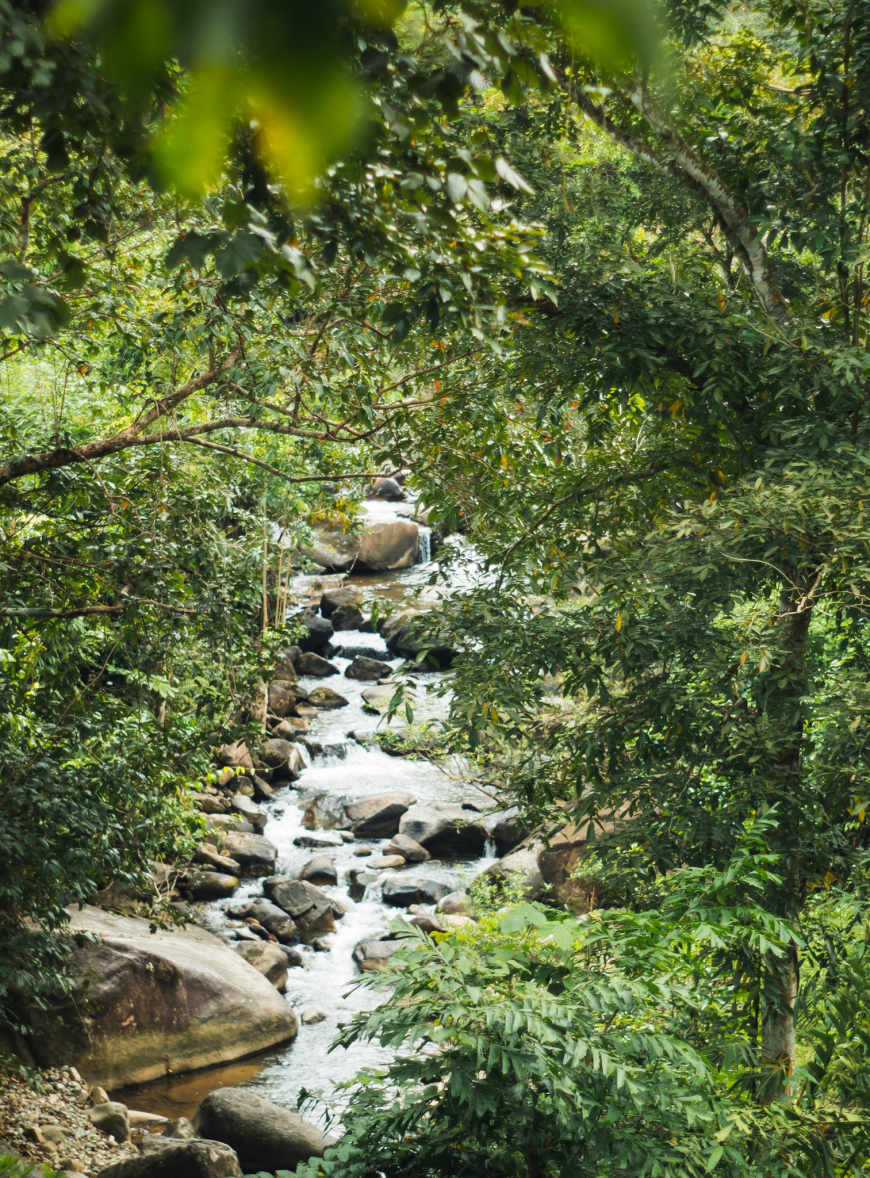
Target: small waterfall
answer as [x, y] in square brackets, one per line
[424, 544]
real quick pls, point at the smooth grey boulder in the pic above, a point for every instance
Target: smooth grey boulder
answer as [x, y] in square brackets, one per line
[347, 617]
[380, 816]
[180, 1159]
[267, 959]
[310, 663]
[325, 697]
[147, 1003]
[404, 890]
[446, 831]
[373, 956]
[408, 848]
[250, 811]
[320, 871]
[264, 1136]
[255, 855]
[366, 669]
[386, 545]
[111, 1118]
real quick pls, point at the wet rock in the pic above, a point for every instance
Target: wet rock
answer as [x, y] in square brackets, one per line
[347, 617]
[263, 791]
[313, 664]
[320, 871]
[287, 730]
[210, 885]
[319, 633]
[322, 811]
[379, 816]
[143, 1003]
[408, 848]
[311, 1015]
[276, 752]
[445, 830]
[402, 633]
[281, 696]
[208, 854]
[319, 838]
[180, 1130]
[255, 854]
[344, 595]
[389, 544]
[373, 956]
[365, 668]
[358, 879]
[387, 489]
[250, 812]
[309, 907]
[360, 852]
[264, 1136]
[267, 959]
[325, 697]
[455, 904]
[179, 1159]
[505, 828]
[111, 1118]
[285, 666]
[274, 919]
[385, 862]
[403, 890]
[235, 755]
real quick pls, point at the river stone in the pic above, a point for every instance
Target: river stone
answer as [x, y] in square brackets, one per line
[358, 879]
[264, 1136]
[225, 824]
[236, 755]
[267, 959]
[385, 862]
[455, 904]
[262, 790]
[388, 489]
[379, 816]
[377, 699]
[313, 664]
[347, 617]
[275, 752]
[180, 1130]
[344, 595]
[373, 956]
[208, 854]
[311, 1015]
[179, 1159]
[282, 697]
[209, 803]
[285, 665]
[286, 729]
[256, 854]
[210, 885]
[404, 890]
[144, 1004]
[365, 668]
[322, 811]
[386, 545]
[401, 632]
[250, 811]
[111, 1118]
[445, 830]
[310, 908]
[319, 633]
[320, 870]
[505, 828]
[274, 920]
[408, 848]
[319, 838]
[325, 697]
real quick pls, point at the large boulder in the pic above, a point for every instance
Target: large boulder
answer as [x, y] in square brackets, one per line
[378, 817]
[408, 848]
[282, 697]
[368, 669]
[386, 545]
[274, 920]
[388, 489]
[267, 959]
[310, 908]
[319, 631]
[332, 599]
[285, 665]
[446, 831]
[545, 865]
[505, 828]
[179, 1159]
[255, 855]
[144, 1005]
[325, 697]
[320, 871]
[347, 617]
[250, 811]
[236, 755]
[210, 885]
[264, 1136]
[314, 664]
[323, 811]
[373, 956]
[403, 634]
[404, 890]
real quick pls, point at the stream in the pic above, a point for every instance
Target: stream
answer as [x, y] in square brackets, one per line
[347, 766]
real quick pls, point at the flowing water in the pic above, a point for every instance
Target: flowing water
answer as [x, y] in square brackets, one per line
[346, 763]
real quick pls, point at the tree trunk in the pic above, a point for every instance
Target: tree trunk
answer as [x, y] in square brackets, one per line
[777, 1024]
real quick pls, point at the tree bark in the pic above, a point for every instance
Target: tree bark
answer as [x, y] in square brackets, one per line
[781, 978]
